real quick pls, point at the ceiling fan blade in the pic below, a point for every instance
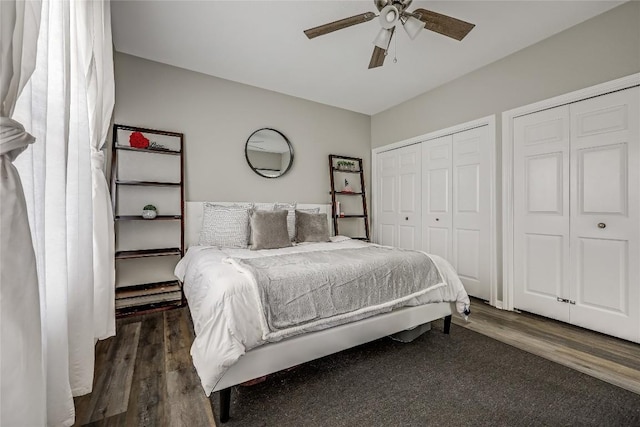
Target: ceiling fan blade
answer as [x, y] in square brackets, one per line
[443, 24]
[377, 58]
[378, 55]
[339, 25]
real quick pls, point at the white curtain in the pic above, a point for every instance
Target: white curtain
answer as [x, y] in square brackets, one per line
[96, 52]
[22, 382]
[67, 105]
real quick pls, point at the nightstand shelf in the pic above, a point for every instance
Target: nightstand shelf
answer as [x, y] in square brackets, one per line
[150, 183]
[345, 170]
[146, 150]
[347, 193]
[139, 218]
[147, 250]
[148, 253]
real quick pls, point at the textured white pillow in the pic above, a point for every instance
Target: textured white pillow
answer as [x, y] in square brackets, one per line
[264, 206]
[225, 226]
[291, 217]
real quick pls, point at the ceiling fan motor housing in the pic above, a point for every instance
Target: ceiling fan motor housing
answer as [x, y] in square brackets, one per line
[401, 5]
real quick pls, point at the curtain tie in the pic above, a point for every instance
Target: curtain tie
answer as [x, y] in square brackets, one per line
[13, 138]
[97, 159]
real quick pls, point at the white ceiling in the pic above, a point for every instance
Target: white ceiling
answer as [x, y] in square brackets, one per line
[261, 43]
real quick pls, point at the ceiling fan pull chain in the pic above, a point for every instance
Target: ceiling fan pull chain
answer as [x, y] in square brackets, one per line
[395, 50]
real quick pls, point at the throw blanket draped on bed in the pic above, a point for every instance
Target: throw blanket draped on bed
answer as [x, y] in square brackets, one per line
[309, 289]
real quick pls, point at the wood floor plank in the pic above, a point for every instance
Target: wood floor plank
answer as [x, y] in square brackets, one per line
[148, 397]
[114, 399]
[83, 403]
[118, 420]
[187, 403]
[178, 339]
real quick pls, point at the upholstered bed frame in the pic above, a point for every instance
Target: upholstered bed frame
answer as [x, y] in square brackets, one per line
[293, 351]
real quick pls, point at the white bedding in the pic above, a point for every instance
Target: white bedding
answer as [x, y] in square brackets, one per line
[225, 308]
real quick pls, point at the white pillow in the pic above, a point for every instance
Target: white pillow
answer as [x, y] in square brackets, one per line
[291, 217]
[264, 206]
[225, 226]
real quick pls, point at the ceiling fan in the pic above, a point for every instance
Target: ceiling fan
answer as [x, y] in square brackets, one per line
[393, 12]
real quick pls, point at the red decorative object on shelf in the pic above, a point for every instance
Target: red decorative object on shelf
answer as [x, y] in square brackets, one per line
[138, 140]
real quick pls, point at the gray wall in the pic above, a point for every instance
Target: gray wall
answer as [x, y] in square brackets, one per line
[217, 116]
[603, 48]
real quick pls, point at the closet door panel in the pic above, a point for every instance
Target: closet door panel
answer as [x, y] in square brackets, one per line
[541, 212]
[386, 217]
[471, 210]
[398, 209]
[409, 202]
[438, 240]
[437, 197]
[602, 180]
[468, 257]
[544, 271]
[605, 213]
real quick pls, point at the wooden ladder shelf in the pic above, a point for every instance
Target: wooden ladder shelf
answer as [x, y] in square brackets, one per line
[342, 166]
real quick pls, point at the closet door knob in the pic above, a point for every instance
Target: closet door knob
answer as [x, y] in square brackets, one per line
[437, 219]
[601, 225]
[406, 218]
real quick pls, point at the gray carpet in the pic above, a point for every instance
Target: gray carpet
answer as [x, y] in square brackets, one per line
[464, 379]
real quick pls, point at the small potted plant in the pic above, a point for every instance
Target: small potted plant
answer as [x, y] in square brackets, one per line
[149, 212]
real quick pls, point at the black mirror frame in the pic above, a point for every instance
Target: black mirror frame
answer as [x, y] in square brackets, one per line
[246, 154]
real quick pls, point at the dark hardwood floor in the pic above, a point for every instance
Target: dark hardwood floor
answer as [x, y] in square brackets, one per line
[144, 375]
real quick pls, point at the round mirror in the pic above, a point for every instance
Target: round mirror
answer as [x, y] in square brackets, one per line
[269, 153]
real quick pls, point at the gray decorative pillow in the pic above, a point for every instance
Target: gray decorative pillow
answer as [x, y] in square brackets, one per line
[311, 210]
[311, 227]
[269, 230]
[260, 207]
[291, 217]
[225, 226]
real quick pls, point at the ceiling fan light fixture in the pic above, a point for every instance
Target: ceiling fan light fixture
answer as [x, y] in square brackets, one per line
[389, 16]
[383, 39]
[412, 26]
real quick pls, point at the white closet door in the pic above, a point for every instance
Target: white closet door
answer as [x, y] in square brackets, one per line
[387, 201]
[409, 203]
[605, 214]
[472, 210]
[541, 212]
[399, 205]
[436, 197]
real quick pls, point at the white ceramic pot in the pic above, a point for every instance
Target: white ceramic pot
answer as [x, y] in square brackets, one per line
[149, 214]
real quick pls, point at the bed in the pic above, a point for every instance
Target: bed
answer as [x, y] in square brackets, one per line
[232, 344]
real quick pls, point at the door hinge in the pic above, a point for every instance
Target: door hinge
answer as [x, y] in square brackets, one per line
[565, 300]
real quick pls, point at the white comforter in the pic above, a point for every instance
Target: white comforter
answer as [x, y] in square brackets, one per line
[225, 307]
